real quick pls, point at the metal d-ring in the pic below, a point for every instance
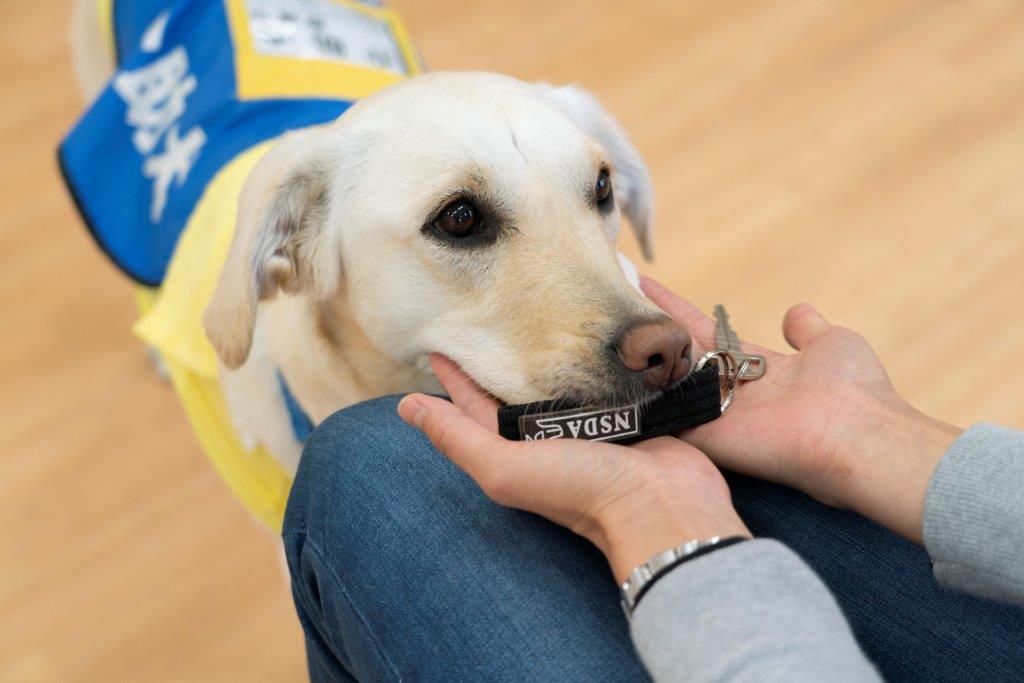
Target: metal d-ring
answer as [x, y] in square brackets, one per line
[729, 369]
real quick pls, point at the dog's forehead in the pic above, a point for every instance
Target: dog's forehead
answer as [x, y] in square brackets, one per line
[440, 118]
[432, 138]
[448, 134]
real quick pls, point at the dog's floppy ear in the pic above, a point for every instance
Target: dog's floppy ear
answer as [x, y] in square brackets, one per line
[632, 181]
[280, 241]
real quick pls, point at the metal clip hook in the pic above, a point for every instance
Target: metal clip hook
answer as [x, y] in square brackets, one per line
[729, 369]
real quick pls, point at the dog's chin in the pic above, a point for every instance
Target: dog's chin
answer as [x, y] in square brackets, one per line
[598, 388]
[614, 394]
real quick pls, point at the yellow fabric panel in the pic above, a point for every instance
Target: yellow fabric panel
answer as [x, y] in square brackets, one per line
[105, 16]
[264, 76]
[254, 477]
[171, 316]
[172, 323]
[146, 298]
[175, 324]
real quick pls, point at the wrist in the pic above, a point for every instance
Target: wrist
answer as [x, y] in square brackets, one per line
[636, 530]
[888, 469]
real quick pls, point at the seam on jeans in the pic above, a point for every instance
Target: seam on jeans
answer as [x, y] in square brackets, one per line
[377, 647]
[306, 540]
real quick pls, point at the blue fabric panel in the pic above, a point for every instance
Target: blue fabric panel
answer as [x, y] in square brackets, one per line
[103, 163]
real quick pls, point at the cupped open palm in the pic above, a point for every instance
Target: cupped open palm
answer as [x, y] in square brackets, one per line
[800, 423]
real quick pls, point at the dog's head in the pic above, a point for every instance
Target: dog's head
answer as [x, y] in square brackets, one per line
[467, 214]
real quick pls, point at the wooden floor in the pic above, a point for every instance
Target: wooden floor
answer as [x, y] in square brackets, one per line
[866, 156]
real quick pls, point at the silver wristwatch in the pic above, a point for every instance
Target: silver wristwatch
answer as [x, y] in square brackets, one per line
[642, 575]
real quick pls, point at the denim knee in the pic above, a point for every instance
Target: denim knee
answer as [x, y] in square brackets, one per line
[359, 462]
[402, 566]
[356, 494]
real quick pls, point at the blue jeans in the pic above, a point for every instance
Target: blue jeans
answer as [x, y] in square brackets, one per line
[402, 569]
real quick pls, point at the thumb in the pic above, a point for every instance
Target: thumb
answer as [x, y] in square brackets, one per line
[802, 324]
[463, 440]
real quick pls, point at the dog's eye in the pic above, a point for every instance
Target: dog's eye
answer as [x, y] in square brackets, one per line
[603, 187]
[458, 219]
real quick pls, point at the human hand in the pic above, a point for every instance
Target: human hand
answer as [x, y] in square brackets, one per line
[826, 420]
[631, 502]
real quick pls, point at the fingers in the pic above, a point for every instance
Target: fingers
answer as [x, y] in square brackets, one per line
[465, 393]
[464, 441]
[801, 324]
[700, 326]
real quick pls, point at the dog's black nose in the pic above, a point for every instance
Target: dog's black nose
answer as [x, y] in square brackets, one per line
[660, 351]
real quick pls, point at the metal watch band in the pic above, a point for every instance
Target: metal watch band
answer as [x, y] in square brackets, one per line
[641, 577]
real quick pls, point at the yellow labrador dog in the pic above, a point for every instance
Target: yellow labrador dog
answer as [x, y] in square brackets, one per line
[467, 214]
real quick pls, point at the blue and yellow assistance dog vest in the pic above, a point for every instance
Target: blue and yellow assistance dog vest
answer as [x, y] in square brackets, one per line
[201, 90]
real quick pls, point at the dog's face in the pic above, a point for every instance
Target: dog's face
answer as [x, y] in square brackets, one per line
[467, 214]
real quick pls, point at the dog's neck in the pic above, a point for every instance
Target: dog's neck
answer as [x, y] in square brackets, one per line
[328, 361]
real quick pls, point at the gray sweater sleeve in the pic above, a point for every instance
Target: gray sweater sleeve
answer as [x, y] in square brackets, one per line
[974, 514]
[750, 612]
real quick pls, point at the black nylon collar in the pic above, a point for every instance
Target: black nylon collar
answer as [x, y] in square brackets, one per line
[693, 400]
